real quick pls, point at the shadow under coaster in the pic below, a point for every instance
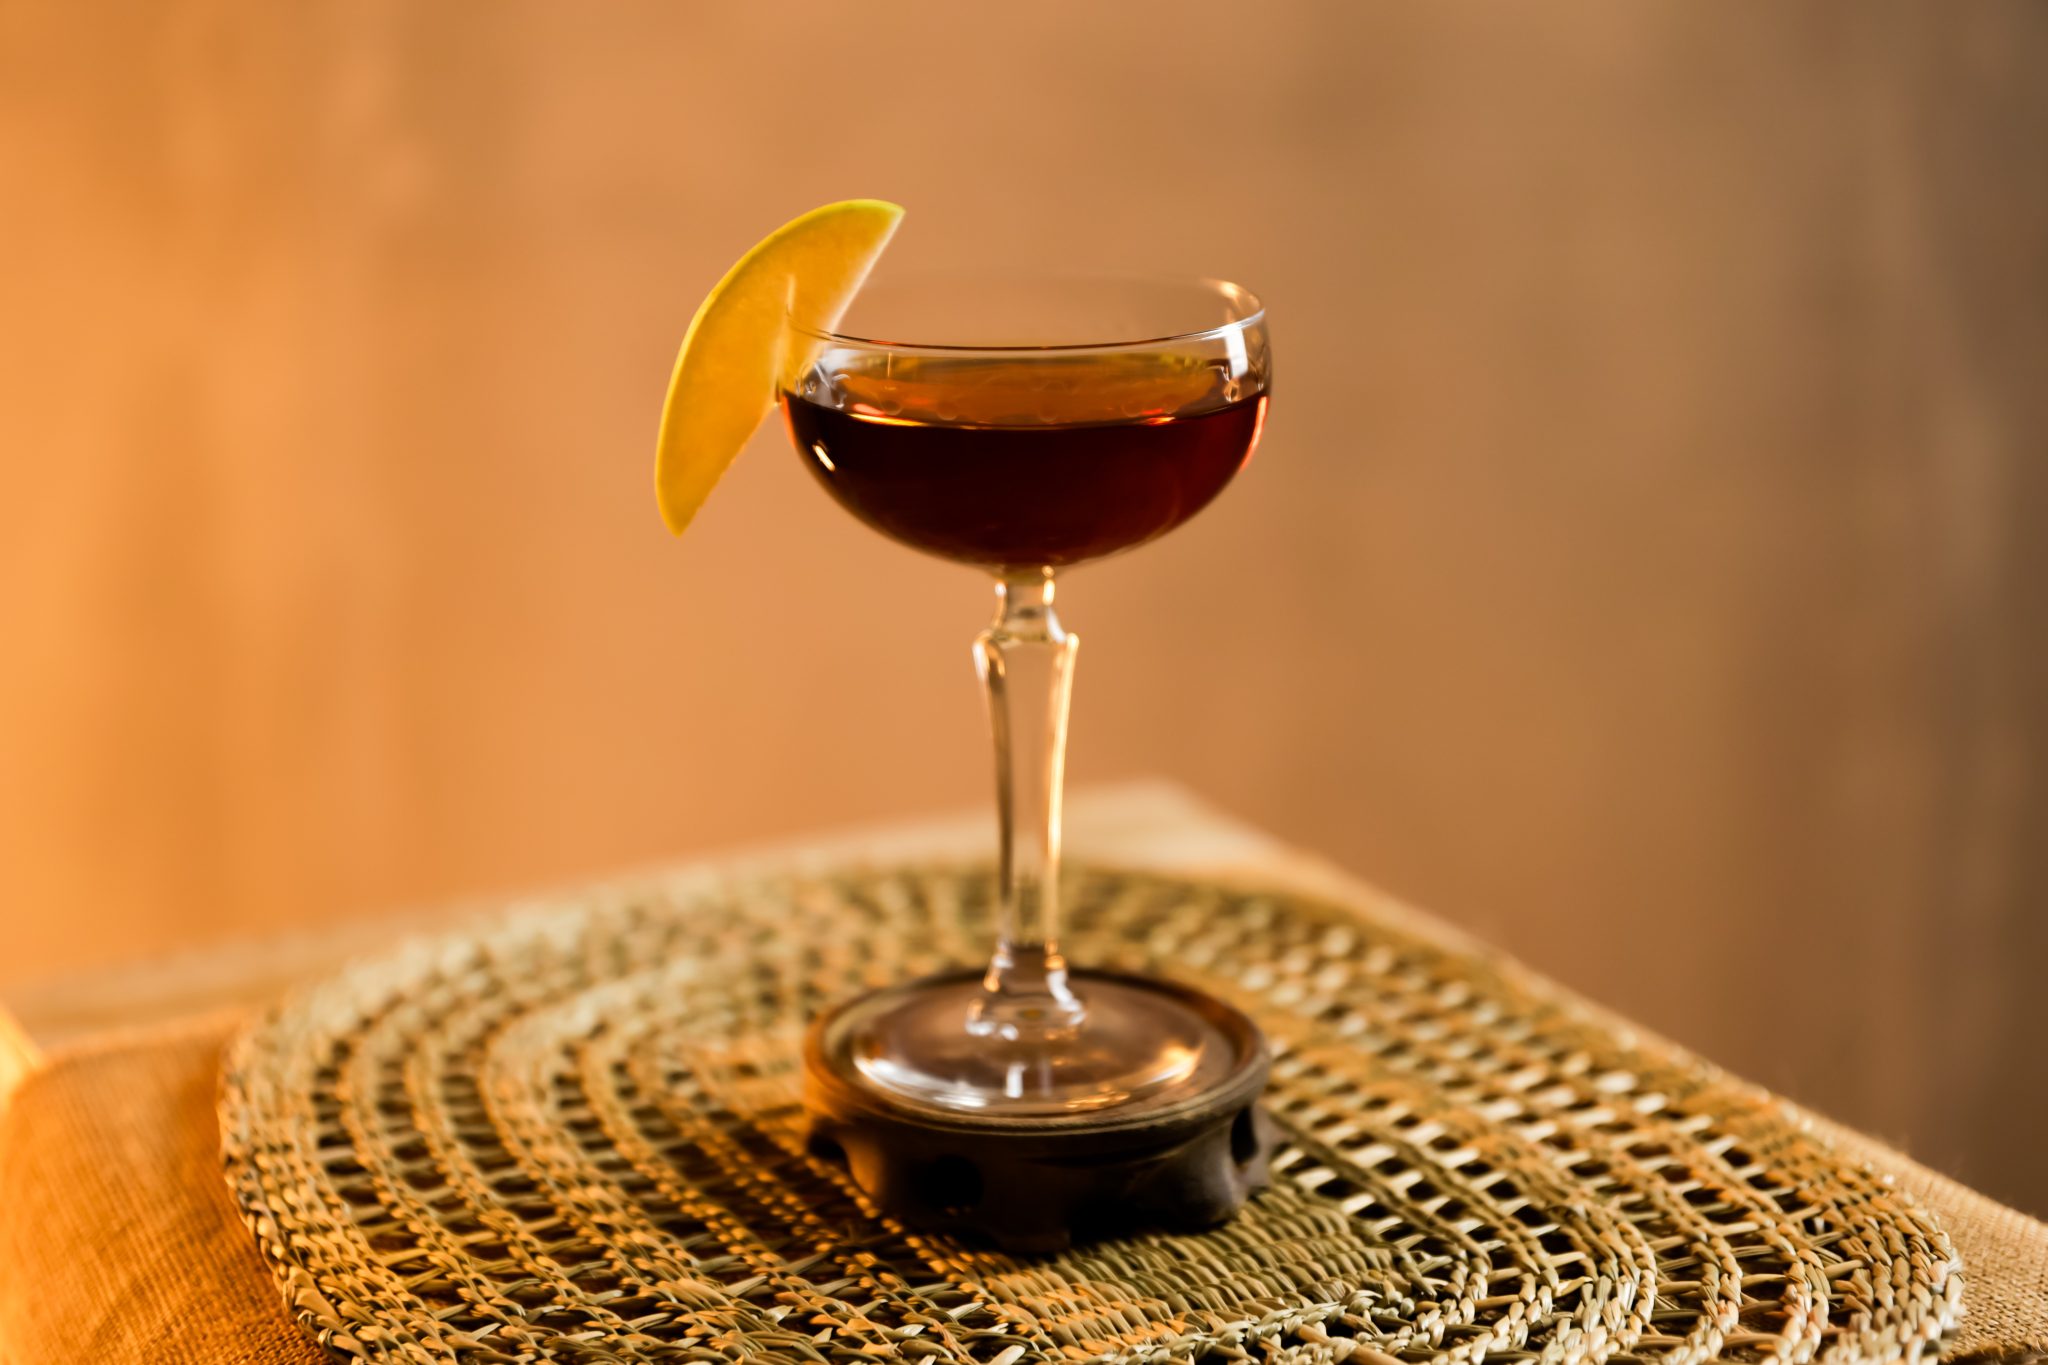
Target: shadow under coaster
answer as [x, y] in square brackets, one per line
[1037, 1183]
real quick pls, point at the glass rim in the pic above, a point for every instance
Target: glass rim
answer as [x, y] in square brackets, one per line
[1255, 313]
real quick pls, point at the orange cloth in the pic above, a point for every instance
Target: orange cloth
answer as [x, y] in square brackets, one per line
[118, 1242]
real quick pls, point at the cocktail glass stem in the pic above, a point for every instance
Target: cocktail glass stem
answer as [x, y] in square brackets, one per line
[1026, 662]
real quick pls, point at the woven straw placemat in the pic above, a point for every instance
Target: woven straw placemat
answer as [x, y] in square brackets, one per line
[574, 1135]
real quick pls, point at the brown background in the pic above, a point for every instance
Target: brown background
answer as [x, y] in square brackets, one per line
[1644, 566]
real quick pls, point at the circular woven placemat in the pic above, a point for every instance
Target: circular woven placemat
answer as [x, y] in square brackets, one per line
[573, 1135]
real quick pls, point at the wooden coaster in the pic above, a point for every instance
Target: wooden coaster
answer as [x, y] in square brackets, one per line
[1037, 1183]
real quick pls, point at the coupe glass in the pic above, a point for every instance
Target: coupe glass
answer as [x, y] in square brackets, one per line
[1025, 426]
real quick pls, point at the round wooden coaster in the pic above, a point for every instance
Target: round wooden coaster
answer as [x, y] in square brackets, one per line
[1037, 1182]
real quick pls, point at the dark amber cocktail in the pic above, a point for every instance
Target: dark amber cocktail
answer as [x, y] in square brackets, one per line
[1010, 465]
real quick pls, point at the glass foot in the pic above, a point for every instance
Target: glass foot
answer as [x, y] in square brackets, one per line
[1139, 1046]
[1144, 1116]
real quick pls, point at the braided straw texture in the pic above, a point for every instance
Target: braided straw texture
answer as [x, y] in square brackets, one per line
[573, 1135]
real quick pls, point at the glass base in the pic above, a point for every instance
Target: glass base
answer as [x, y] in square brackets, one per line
[1143, 1115]
[1139, 1046]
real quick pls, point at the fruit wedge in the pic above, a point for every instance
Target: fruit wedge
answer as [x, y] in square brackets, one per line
[740, 344]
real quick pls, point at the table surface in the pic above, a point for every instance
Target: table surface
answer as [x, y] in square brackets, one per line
[1145, 824]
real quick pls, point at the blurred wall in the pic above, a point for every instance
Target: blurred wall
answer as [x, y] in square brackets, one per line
[1644, 567]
